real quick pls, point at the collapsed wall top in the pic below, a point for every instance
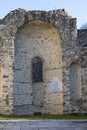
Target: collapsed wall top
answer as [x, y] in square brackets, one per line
[22, 15]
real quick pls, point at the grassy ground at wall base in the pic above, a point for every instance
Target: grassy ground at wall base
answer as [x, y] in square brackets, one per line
[43, 117]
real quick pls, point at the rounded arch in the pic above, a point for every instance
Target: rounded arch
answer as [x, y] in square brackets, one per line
[39, 22]
[38, 56]
[37, 38]
[75, 62]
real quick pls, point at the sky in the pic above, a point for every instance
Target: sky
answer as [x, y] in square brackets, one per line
[75, 8]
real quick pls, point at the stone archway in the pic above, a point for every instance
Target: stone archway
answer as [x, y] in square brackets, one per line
[38, 39]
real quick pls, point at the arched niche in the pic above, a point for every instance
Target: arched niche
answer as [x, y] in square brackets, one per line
[75, 81]
[1, 81]
[37, 39]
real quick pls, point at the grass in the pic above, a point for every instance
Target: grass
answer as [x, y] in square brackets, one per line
[43, 117]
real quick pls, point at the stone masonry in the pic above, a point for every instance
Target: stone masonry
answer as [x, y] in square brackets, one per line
[62, 49]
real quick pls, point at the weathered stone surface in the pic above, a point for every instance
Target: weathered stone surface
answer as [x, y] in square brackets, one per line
[53, 37]
[44, 125]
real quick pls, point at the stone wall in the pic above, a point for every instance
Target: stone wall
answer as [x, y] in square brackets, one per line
[52, 36]
[82, 43]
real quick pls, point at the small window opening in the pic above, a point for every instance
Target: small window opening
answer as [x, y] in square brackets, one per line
[36, 70]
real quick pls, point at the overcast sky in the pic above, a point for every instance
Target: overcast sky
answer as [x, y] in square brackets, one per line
[75, 8]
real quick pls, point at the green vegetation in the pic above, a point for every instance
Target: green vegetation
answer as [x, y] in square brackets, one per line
[43, 117]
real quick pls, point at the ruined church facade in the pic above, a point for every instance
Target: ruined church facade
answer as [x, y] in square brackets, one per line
[43, 63]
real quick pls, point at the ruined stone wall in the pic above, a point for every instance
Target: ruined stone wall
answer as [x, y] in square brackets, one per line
[82, 43]
[6, 60]
[15, 25]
